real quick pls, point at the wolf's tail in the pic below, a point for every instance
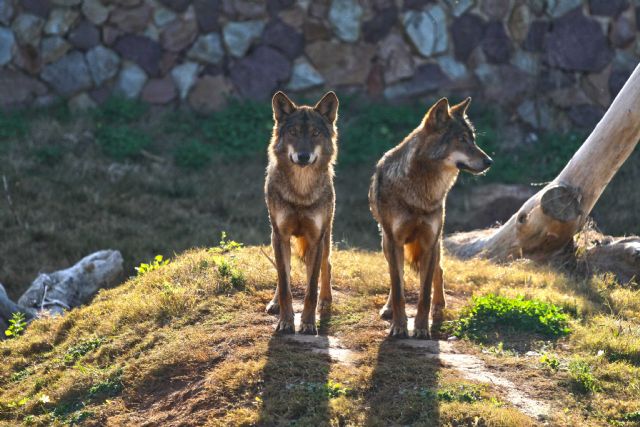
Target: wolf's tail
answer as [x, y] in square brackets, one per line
[412, 254]
[300, 246]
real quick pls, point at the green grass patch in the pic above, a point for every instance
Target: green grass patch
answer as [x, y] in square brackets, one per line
[122, 142]
[13, 125]
[118, 110]
[490, 312]
[582, 378]
[193, 154]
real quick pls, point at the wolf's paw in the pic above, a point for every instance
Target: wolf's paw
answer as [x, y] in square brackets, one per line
[324, 306]
[273, 307]
[308, 328]
[421, 334]
[285, 326]
[386, 312]
[398, 331]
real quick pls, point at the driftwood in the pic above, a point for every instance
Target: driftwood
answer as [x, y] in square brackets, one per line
[56, 292]
[547, 222]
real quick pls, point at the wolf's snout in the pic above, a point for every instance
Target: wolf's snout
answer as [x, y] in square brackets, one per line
[303, 158]
[488, 161]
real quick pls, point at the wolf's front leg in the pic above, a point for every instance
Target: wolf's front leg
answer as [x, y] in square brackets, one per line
[313, 261]
[282, 251]
[324, 305]
[395, 257]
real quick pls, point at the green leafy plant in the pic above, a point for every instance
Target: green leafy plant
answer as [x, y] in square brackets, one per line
[550, 361]
[581, 376]
[158, 262]
[488, 312]
[75, 352]
[121, 142]
[225, 245]
[193, 154]
[17, 325]
[232, 277]
[120, 110]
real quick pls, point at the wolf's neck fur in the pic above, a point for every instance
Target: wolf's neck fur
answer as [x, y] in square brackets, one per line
[428, 180]
[305, 185]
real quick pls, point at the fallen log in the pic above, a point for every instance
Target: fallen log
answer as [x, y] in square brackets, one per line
[62, 290]
[547, 222]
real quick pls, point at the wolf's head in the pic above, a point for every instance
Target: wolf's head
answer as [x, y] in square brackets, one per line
[305, 135]
[450, 138]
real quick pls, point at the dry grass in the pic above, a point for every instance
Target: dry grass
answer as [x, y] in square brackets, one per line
[182, 344]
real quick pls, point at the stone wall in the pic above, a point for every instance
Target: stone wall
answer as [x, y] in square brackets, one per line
[550, 64]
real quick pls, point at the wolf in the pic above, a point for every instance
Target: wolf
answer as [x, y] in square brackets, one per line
[407, 198]
[300, 199]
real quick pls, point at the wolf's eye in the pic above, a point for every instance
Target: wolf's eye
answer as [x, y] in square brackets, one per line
[315, 132]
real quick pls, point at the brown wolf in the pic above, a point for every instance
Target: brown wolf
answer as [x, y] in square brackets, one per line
[407, 197]
[301, 199]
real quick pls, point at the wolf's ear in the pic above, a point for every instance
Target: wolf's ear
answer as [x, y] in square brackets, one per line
[461, 109]
[282, 106]
[438, 115]
[328, 106]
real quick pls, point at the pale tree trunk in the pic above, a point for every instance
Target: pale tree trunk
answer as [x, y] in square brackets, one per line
[62, 290]
[547, 222]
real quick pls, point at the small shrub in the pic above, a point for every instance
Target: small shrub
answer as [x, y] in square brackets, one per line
[193, 155]
[232, 278]
[550, 361]
[225, 245]
[49, 155]
[12, 125]
[109, 387]
[158, 262]
[120, 110]
[492, 311]
[83, 347]
[17, 325]
[582, 378]
[121, 142]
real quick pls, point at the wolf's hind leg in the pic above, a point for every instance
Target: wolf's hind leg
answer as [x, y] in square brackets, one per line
[438, 303]
[324, 305]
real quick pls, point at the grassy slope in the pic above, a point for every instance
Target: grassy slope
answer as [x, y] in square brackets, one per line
[190, 343]
[80, 182]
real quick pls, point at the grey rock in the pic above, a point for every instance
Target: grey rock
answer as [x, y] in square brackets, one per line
[527, 62]
[608, 7]
[95, 11]
[184, 76]
[534, 41]
[622, 32]
[81, 102]
[6, 11]
[378, 27]
[207, 48]
[238, 36]
[210, 93]
[504, 83]
[467, 32]
[576, 43]
[17, 89]
[496, 44]
[341, 63]
[304, 76]
[163, 16]
[427, 30]
[260, 73]
[458, 7]
[60, 20]
[585, 116]
[344, 16]
[427, 78]
[519, 22]
[69, 75]
[495, 9]
[536, 114]
[27, 29]
[66, 3]
[283, 37]
[130, 81]
[142, 50]
[557, 8]
[452, 68]
[53, 48]
[7, 44]
[103, 64]
[207, 13]
[395, 58]
[84, 36]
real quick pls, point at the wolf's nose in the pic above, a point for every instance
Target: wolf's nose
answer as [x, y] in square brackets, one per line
[303, 158]
[488, 162]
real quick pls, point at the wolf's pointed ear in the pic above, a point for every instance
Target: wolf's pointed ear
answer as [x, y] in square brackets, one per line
[282, 106]
[438, 115]
[328, 106]
[461, 109]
